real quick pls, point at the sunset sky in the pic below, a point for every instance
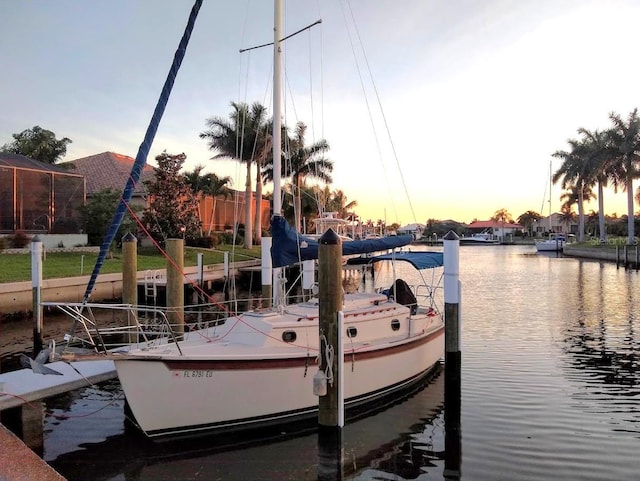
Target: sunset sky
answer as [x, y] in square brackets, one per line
[456, 105]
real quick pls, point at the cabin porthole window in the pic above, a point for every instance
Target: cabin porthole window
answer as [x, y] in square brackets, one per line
[289, 336]
[352, 331]
[395, 325]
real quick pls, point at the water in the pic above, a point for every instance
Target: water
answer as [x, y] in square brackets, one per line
[550, 390]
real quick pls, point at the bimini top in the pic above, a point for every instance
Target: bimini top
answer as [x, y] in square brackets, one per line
[289, 247]
[419, 260]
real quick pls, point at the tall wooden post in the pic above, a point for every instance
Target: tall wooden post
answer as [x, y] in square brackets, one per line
[130, 280]
[175, 286]
[453, 356]
[330, 303]
[36, 284]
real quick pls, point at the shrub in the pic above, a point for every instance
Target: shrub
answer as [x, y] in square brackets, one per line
[19, 240]
[206, 242]
[3, 243]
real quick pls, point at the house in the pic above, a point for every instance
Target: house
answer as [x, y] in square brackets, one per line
[498, 230]
[110, 170]
[555, 222]
[40, 198]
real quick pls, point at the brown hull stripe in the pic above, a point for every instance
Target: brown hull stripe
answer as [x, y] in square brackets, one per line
[293, 362]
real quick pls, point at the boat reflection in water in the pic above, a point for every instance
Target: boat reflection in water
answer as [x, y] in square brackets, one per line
[405, 439]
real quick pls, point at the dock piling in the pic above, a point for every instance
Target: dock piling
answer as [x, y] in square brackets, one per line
[175, 286]
[330, 405]
[129, 279]
[36, 283]
[453, 356]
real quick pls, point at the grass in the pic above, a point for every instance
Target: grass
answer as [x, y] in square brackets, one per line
[17, 267]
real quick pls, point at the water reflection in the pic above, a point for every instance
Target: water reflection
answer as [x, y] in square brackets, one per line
[549, 391]
[600, 338]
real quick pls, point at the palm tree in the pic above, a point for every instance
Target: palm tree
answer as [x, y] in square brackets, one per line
[301, 162]
[337, 202]
[572, 197]
[599, 156]
[567, 216]
[625, 137]
[196, 181]
[305, 162]
[577, 175]
[528, 219]
[217, 186]
[503, 216]
[244, 137]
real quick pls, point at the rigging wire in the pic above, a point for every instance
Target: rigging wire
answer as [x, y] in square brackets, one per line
[384, 117]
[366, 99]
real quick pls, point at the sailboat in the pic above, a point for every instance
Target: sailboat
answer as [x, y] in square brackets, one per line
[556, 240]
[257, 368]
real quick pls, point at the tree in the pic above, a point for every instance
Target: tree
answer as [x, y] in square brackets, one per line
[173, 210]
[567, 216]
[302, 162]
[503, 216]
[208, 184]
[244, 137]
[528, 219]
[217, 186]
[625, 138]
[577, 176]
[599, 155]
[38, 144]
[336, 201]
[97, 214]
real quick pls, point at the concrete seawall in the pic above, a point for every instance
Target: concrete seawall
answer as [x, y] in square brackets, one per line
[16, 297]
[608, 254]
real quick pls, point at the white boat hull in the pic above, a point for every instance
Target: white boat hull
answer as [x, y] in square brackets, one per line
[550, 246]
[172, 395]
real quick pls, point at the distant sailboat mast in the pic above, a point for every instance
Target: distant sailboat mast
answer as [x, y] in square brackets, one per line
[550, 184]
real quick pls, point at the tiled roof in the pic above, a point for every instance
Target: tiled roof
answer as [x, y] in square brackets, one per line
[109, 170]
[22, 162]
[492, 224]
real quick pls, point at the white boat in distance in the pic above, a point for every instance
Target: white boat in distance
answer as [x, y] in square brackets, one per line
[257, 368]
[555, 243]
[479, 238]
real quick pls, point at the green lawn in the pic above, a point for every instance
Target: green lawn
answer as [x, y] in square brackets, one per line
[17, 267]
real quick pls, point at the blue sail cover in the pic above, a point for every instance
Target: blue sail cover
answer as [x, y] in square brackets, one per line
[289, 247]
[419, 260]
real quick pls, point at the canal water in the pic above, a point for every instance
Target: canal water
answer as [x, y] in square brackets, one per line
[550, 391]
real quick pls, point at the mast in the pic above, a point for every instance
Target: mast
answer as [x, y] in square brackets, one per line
[278, 295]
[277, 100]
[550, 184]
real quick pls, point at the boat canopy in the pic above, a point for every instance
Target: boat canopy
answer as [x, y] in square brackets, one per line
[289, 247]
[419, 260]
